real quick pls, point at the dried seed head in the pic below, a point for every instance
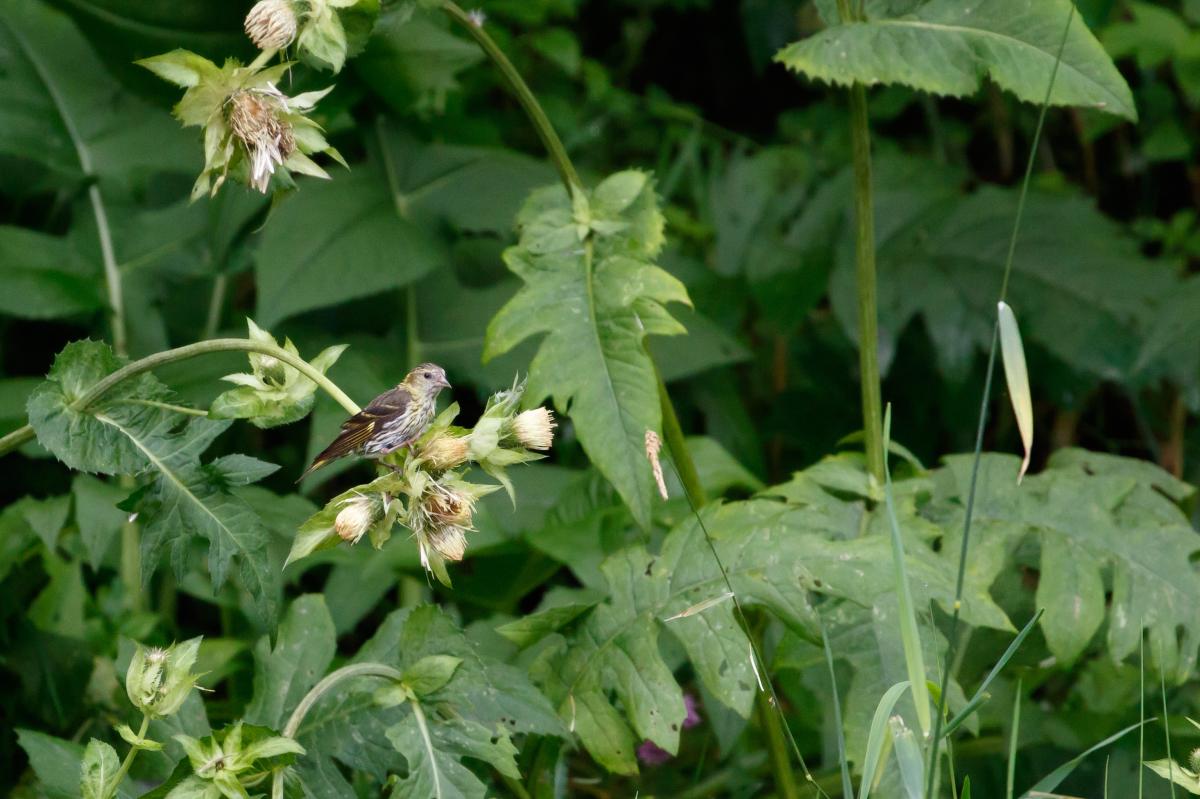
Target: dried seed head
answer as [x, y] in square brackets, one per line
[271, 24]
[354, 519]
[653, 447]
[450, 542]
[255, 118]
[534, 428]
[446, 452]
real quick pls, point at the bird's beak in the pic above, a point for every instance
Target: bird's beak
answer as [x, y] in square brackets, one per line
[443, 382]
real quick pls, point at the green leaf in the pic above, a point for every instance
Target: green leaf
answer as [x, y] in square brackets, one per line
[591, 288]
[97, 516]
[60, 107]
[304, 647]
[1090, 514]
[98, 769]
[240, 470]
[186, 501]
[430, 673]
[336, 241]
[947, 47]
[434, 753]
[413, 62]
[43, 277]
[1085, 292]
[1173, 772]
[56, 763]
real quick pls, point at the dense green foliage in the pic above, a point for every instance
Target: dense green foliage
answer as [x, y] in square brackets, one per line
[706, 586]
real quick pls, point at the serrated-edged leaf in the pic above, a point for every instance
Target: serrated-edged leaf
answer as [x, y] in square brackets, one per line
[948, 46]
[187, 501]
[97, 515]
[240, 470]
[1092, 514]
[430, 673]
[75, 436]
[434, 752]
[533, 627]
[57, 764]
[305, 644]
[1016, 376]
[591, 289]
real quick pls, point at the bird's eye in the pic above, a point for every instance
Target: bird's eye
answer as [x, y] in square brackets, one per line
[429, 375]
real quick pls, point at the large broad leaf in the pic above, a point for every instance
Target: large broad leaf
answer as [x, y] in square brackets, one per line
[1079, 284]
[339, 240]
[304, 647]
[591, 288]
[60, 108]
[1091, 514]
[481, 696]
[1172, 343]
[127, 432]
[775, 551]
[43, 277]
[948, 46]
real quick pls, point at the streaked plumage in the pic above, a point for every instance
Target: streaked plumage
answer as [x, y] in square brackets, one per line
[394, 419]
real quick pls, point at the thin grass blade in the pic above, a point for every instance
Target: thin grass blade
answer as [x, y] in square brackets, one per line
[847, 785]
[914, 658]
[1012, 351]
[981, 693]
[1055, 778]
[908, 755]
[877, 736]
[966, 791]
[1015, 735]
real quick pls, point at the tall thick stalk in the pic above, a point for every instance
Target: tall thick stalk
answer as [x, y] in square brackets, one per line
[864, 256]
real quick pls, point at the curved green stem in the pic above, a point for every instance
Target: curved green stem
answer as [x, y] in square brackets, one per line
[314, 695]
[111, 788]
[533, 109]
[150, 362]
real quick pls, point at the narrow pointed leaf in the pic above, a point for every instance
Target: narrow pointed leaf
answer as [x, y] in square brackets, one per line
[1017, 377]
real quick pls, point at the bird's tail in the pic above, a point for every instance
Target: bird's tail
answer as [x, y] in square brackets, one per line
[316, 464]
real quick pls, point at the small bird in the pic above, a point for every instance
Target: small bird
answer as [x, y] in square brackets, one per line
[394, 419]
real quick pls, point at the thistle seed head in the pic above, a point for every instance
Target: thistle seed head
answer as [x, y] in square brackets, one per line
[450, 542]
[271, 24]
[255, 116]
[534, 428]
[354, 519]
[446, 452]
[448, 514]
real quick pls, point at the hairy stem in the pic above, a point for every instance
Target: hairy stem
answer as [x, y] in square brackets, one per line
[150, 362]
[533, 109]
[864, 247]
[110, 789]
[314, 695]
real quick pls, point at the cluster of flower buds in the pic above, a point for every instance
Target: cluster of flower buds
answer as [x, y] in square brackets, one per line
[427, 492]
[252, 130]
[159, 680]
[221, 762]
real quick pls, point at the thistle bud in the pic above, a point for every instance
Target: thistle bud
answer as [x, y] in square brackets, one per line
[448, 513]
[450, 542]
[354, 519]
[1194, 761]
[534, 428]
[158, 680]
[446, 452]
[255, 117]
[271, 24]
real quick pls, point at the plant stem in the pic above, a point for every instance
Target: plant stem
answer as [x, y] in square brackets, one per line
[781, 765]
[677, 445]
[541, 123]
[213, 321]
[150, 362]
[319, 690]
[864, 246]
[111, 788]
[112, 273]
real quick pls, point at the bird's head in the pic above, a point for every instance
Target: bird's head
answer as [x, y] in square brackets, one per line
[428, 379]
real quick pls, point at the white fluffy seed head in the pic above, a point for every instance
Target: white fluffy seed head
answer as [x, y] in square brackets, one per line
[354, 519]
[534, 428]
[255, 118]
[271, 24]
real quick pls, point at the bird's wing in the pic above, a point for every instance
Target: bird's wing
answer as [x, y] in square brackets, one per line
[359, 427]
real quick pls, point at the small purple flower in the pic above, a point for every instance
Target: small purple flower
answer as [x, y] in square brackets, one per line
[652, 754]
[693, 714]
